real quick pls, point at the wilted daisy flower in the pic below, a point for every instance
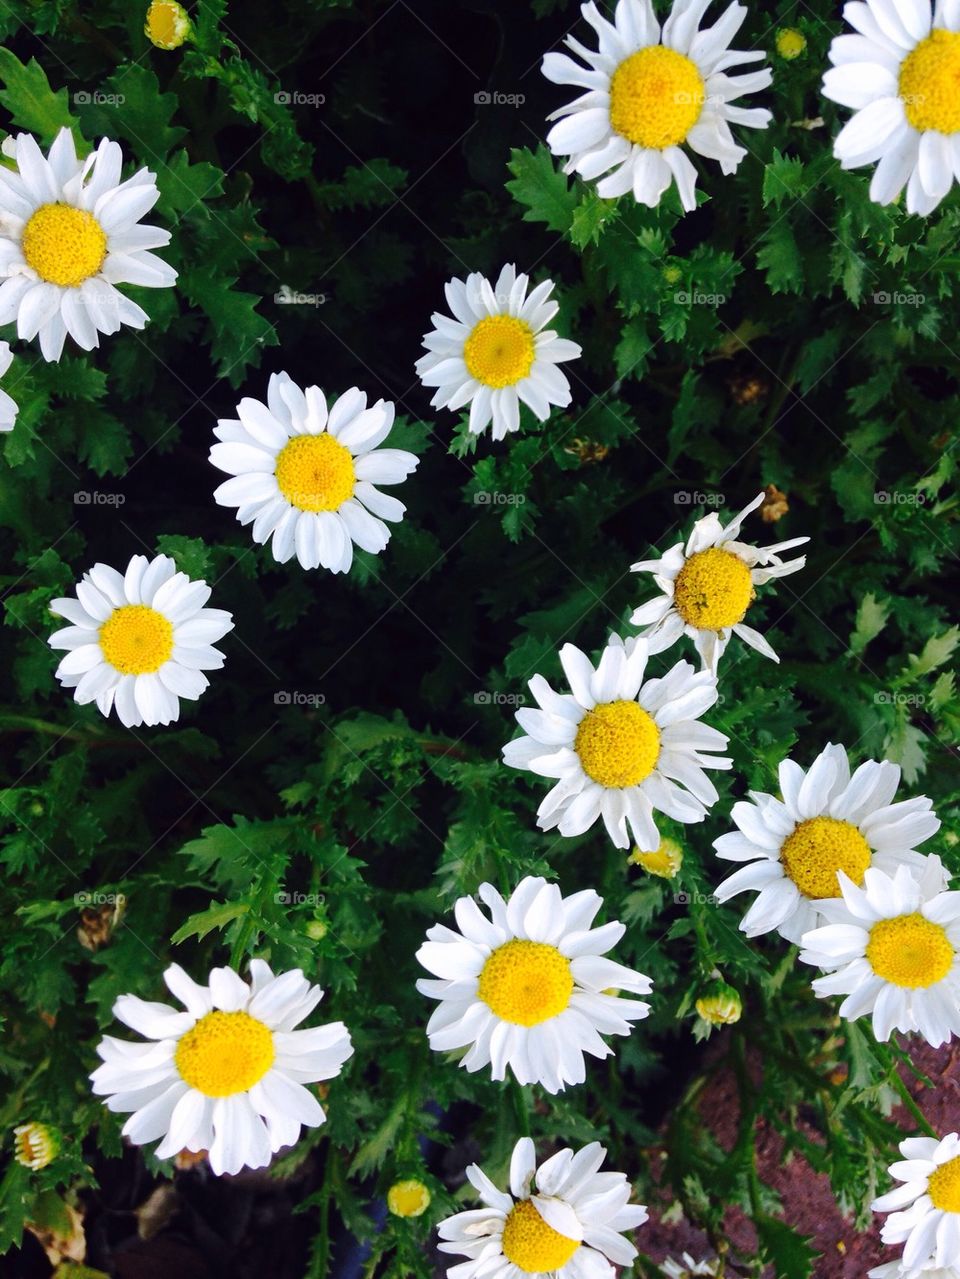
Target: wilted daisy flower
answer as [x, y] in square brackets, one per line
[307, 478]
[893, 948]
[925, 1210]
[648, 93]
[899, 75]
[620, 748]
[826, 822]
[565, 1219]
[687, 1267]
[227, 1075]
[496, 352]
[167, 25]
[709, 586]
[8, 405]
[35, 1145]
[140, 640]
[69, 232]
[526, 987]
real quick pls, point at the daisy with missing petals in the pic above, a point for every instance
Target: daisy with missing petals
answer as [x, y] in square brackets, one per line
[565, 1219]
[620, 748]
[496, 352]
[528, 988]
[647, 93]
[893, 948]
[709, 585]
[925, 1210]
[8, 405]
[226, 1076]
[139, 641]
[827, 821]
[899, 75]
[306, 476]
[69, 232]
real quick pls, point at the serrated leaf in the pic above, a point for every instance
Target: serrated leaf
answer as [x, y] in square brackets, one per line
[540, 187]
[32, 104]
[217, 916]
[872, 616]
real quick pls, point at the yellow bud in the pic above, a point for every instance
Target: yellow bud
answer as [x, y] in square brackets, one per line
[35, 1145]
[167, 25]
[665, 862]
[671, 274]
[721, 1006]
[408, 1198]
[790, 43]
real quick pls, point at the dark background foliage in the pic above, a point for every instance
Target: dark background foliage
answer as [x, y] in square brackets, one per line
[817, 355]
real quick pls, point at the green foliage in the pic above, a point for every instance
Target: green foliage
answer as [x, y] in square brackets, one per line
[788, 332]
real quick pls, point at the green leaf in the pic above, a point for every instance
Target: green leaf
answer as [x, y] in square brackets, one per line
[937, 650]
[541, 188]
[218, 916]
[871, 619]
[32, 104]
[786, 1249]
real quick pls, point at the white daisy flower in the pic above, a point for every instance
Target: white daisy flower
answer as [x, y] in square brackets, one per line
[8, 405]
[307, 478]
[827, 821]
[899, 75]
[648, 93]
[897, 1270]
[687, 1267]
[139, 641]
[709, 585]
[620, 748]
[496, 352]
[528, 987]
[563, 1220]
[69, 231]
[893, 948]
[226, 1076]
[925, 1210]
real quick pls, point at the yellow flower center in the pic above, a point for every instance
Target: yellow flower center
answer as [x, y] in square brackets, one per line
[136, 640]
[526, 982]
[818, 849]
[910, 951]
[531, 1244]
[790, 43]
[316, 473]
[408, 1198]
[930, 83]
[167, 24]
[225, 1053]
[64, 245]
[944, 1186]
[499, 351]
[618, 744]
[713, 590]
[656, 96]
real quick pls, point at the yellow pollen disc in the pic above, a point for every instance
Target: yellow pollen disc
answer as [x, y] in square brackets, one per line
[136, 640]
[526, 982]
[316, 473]
[499, 351]
[64, 245]
[618, 744]
[944, 1186]
[531, 1244]
[930, 83]
[408, 1198]
[817, 849]
[656, 96]
[910, 951]
[713, 590]
[225, 1053]
[167, 24]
